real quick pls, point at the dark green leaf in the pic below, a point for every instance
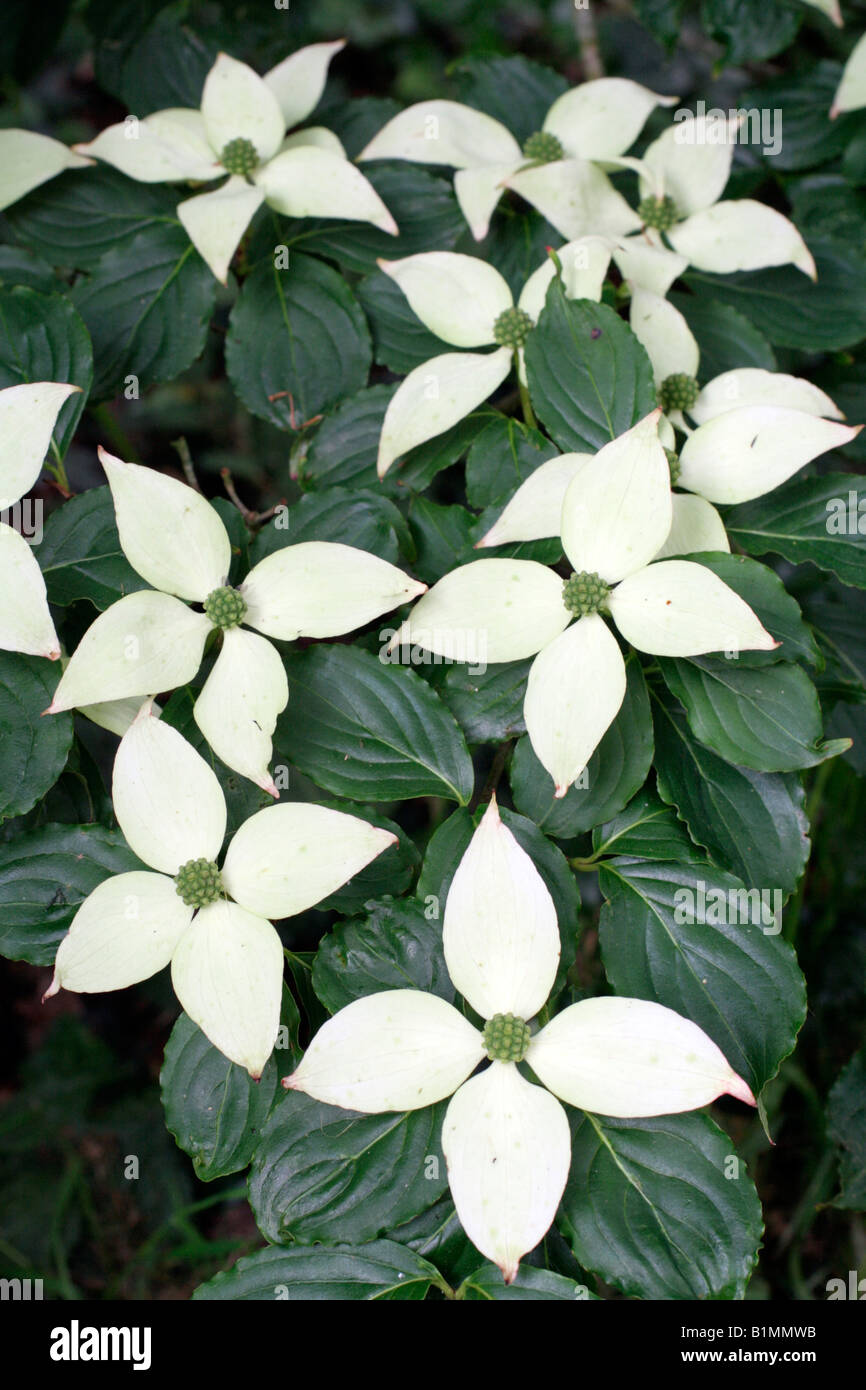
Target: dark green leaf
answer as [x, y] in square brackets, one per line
[487, 706]
[814, 519]
[80, 554]
[647, 829]
[42, 338]
[345, 1273]
[846, 1122]
[33, 749]
[487, 1285]
[347, 516]
[75, 219]
[514, 91]
[806, 136]
[344, 447]
[502, 457]
[395, 945]
[726, 338]
[762, 589]
[400, 340]
[751, 30]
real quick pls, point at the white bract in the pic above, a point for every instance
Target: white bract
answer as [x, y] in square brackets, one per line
[682, 177]
[241, 131]
[616, 516]
[28, 414]
[558, 168]
[506, 1141]
[212, 925]
[467, 303]
[851, 92]
[28, 159]
[152, 641]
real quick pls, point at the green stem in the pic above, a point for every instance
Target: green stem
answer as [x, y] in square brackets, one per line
[526, 404]
[116, 435]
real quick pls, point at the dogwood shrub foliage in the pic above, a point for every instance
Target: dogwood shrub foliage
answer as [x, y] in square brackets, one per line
[365, 747]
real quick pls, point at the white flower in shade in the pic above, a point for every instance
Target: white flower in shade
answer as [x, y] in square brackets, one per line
[557, 169]
[241, 131]
[152, 641]
[506, 1141]
[851, 92]
[213, 925]
[28, 159]
[682, 176]
[467, 303]
[616, 516]
[28, 414]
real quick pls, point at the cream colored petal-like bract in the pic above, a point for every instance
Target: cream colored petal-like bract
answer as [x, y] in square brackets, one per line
[490, 610]
[479, 189]
[741, 235]
[663, 331]
[170, 534]
[749, 451]
[435, 395]
[577, 198]
[575, 689]
[851, 92]
[322, 589]
[288, 857]
[508, 1150]
[499, 934]
[584, 265]
[535, 511]
[28, 414]
[616, 512]
[144, 643]
[25, 621]
[459, 298]
[309, 181]
[317, 135]
[631, 1058]
[398, 1050]
[237, 104]
[650, 267]
[691, 162]
[164, 148]
[182, 129]
[601, 118]
[216, 221]
[696, 526]
[227, 972]
[238, 706]
[444, 132]
[28, 159]
[125, 931]
[754, 386]
[680, 608]
[167, 799]
[299, 80]
[115, 715]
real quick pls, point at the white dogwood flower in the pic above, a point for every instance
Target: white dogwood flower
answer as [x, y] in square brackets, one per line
[28, 159]
[241, 131]
[851, 92]
[28, 414]
[682, 177]
[557, 170]
[212, 925]
[616, 516]
[467, 303]
[152, 641]
[506, 1141]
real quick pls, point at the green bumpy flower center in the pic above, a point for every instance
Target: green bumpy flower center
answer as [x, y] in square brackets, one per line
[198, 882]
[584, 593]
[660, 213]
[543, 148]
[240, 156]
[506, 1038]
[225, 607]
[512, 328]
[678, 392]
[673, 459]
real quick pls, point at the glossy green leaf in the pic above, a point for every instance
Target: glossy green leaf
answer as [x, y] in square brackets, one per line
[344, 1273]
[33, 750]
[396, 944]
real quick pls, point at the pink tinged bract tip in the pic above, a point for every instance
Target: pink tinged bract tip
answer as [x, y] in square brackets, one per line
[53, 988]
[741, 1091]
[509, 1272]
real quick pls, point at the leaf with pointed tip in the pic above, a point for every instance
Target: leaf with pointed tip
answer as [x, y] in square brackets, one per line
[76, 218]
[794, 521]
[395, 945]
[42, 338]
[80, 554]
[343, 1273]
[647, 829]
[762, 589]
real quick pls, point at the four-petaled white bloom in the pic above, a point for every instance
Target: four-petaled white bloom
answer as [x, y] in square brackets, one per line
[682, 177]
[506, 1141]
[28, 159]
[467, 303]
[558, 168]
[616, 516]
[241, 131]
[152, 641]
[28, 414]
[213, 925]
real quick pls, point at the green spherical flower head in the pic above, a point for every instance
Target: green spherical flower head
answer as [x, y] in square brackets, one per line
[512, 328]
[225, 607]
[543, 148]
[660, 213]
[240, 156]
[584, 593]
[506, 1038]
[678, 392]
[673, 459]
[198, 882]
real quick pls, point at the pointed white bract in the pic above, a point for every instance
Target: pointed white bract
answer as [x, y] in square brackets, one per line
[237, 104]
[435, 395]
[752, 449]
[583, 263]
[28, 414]
[741, 235]
[499, 934]
[508, 1150]
[168, 147]
[216, 221]
[851, 92]
[28, 160]
[299, 80]
[239, 703]
[126, 930]
[679, 608]
[310, 181]
[754, 386]
[690, 162]
[577, 198]
[650, 267]
[398, 1050]
[631, 1058]
[25, 621]
[696, 525]
[459, 298]
[601, 118]
[669, 342]
[534, 513]
[444, 132]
